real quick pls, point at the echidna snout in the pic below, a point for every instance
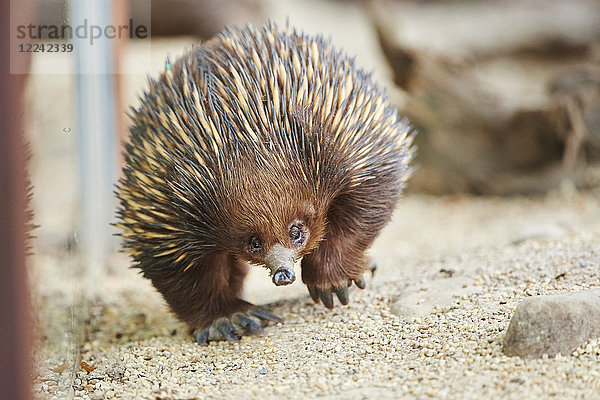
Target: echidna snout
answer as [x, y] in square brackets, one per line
[280, 260]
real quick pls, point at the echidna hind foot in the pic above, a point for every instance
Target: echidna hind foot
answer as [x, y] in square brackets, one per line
[206, 297]
[230, 328]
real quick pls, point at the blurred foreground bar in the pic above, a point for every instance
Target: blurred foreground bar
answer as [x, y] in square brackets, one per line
[96, 127]
[15, 345]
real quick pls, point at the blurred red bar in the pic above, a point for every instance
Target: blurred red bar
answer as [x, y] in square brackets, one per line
[15, 329]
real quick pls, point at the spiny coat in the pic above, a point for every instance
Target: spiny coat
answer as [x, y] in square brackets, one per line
[262, 146]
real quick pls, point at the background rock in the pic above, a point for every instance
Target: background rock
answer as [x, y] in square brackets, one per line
[504, 94]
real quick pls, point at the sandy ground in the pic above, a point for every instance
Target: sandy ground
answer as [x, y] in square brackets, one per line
[454, 269]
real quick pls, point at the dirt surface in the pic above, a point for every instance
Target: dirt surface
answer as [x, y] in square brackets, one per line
[430, 323]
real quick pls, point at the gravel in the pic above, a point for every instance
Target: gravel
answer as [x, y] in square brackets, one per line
[448, 350]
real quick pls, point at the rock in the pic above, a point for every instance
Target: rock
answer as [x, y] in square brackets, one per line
[553, 324]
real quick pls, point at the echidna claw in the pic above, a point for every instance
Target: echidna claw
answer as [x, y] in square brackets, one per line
[326, 297]
[201, 336]
[360, 283]
[372, 268]
[342, 295]
[248, 324]
[226, 328]
[264, 315]
[313, 294]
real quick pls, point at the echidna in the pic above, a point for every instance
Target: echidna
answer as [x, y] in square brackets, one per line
[263, 146]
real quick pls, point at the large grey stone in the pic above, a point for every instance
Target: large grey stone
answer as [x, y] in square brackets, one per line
[553, 324]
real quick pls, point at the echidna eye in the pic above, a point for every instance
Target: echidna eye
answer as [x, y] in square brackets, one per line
[296, 235]
[255, 244]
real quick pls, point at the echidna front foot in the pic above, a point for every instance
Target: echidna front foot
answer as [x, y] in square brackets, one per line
[231, 328]
[341, 291]
[333, 268]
